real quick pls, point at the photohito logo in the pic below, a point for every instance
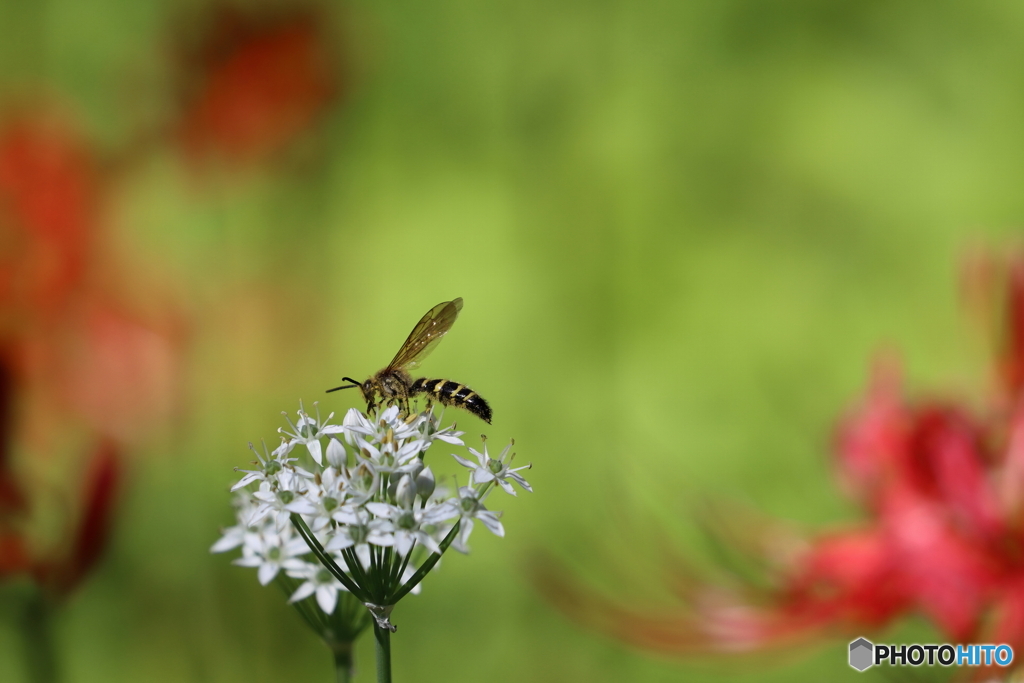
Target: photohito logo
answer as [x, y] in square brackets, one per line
[865, 654]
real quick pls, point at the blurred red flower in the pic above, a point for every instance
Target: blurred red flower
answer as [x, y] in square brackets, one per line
[81, 376]
[254, 82]
[942, 485]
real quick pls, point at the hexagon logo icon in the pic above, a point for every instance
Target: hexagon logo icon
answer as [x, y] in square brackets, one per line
[861, 654]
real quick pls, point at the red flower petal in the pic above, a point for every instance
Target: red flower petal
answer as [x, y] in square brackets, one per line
[946, 463]
[873, 439]
[48, 202]
[14, 557]
[262, 84]
[948, 576]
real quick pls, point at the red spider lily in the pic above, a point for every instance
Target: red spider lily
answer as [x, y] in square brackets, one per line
[255, 83]
[73, 360]
[48, 213]
[942, 485]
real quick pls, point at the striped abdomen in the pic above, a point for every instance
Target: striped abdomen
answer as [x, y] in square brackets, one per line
[451, 393]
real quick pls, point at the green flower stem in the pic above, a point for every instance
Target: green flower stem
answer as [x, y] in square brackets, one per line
[343, 663]
[37, 629]
[338, 630]
[383, 639]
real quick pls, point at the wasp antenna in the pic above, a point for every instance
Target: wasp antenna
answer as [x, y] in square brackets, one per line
[346, 386]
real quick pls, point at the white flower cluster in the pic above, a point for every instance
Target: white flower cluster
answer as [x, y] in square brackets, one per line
[363, 506]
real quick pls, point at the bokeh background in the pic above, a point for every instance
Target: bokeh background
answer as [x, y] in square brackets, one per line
[681, 229]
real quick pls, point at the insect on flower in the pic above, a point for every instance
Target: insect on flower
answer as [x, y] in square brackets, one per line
[394, 384]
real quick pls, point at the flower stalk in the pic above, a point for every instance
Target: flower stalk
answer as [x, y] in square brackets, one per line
[37, 628]
[382, 637]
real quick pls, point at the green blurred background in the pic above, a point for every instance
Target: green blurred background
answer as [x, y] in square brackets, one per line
[681, 229]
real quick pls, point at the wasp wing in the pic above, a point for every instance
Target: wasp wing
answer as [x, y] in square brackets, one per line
[425, 336]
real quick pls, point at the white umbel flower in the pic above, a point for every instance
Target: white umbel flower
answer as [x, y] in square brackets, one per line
[488, 469]
[283, 497]
[308, 431]
[369, 518]
[320, 581]
[271, 552]
[471, 507]
[270, 465]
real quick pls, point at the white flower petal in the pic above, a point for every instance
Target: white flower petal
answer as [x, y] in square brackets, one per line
[232, 538]
[345, 515]
[461, 542]
[490, 520]
[481, 475]
[339, 542]
[441, 512]
[267, 572]
[295, 546]
[363, 553]
[380, 538]
[403, 542]
[518, 478]
[246, 480]
[247, 561]
[327, 598]
[465, 463]
[294, 567]
[429, 542]
[301, 506]
[383, 510]
[335, 453]
[302, 592]
[315, 451]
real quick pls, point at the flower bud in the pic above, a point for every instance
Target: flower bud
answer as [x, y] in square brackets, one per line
[336, 455]
[425, 483]
[405, 492]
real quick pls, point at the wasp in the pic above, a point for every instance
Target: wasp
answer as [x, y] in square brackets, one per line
[394, 384]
